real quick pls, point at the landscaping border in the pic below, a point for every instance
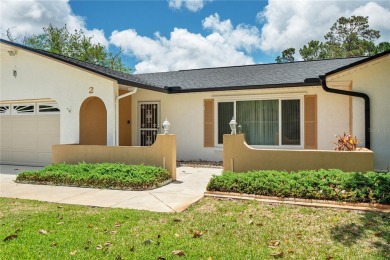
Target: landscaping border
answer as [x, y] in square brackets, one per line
[302, 202]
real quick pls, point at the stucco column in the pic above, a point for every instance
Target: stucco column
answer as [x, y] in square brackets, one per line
[167, 144]
[230, 145]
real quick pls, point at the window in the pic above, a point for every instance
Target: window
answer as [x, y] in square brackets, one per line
[291, 122]
[23, 109]
[225, 114]
[48, 108]
[259, 120]
[5, 109]
[271, 122]
[29, 109]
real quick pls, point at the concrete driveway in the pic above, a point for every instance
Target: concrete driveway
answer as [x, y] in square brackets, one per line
[175, 197]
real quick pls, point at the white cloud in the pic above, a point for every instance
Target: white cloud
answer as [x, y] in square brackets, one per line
[295, 23]
[379, 21]
[97, 36]
[192, 5]
[224, 46]
[243, 37]
[26, 17]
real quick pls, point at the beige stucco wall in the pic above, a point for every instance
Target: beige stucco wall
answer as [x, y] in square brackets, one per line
[39, 77]
[185, 113]
[240, 157]
[372, 78]
[162, 153]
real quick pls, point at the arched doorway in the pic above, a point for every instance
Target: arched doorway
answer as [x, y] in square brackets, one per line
[93, 122]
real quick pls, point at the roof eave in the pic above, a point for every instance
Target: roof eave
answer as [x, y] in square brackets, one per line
[368, 59]
[270, 86]
[139, 85]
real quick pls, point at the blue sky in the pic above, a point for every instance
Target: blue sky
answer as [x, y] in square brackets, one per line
[149, 17]
[165, 35]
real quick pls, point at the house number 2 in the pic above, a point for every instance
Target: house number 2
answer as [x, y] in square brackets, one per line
[90, 90]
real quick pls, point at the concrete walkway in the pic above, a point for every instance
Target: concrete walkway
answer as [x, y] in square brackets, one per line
[175, 197]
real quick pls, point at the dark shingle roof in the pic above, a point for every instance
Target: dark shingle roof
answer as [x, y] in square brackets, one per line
[257, 76]
[274, 75]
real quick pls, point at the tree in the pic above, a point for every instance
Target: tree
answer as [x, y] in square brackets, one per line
[75, 45]
[287, 56]
[313, 51]
[347, 37]
[350, 37]
[10, 36]
[381, 47]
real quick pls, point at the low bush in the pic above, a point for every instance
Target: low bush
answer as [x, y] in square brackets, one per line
[336, 185]
[100, 175]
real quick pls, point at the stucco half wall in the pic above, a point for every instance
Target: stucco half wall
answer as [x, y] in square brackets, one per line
[240, 157]
[162, 153]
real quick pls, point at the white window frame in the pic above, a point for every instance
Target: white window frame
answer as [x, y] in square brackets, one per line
[279, 97]
[23, 114]
[54, 104]
[7, 113]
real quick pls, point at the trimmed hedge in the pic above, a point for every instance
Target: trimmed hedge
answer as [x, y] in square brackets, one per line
[331, 184]
[98, 175]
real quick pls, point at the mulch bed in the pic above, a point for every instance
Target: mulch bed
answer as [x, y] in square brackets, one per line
[200, 164]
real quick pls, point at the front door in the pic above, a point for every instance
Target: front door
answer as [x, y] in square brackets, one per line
[149, 116]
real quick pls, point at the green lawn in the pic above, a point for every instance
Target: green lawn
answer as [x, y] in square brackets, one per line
[220, 229]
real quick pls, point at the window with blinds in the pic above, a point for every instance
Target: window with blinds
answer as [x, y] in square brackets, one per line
[273, 122]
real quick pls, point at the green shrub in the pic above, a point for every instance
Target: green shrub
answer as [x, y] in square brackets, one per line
[100, 175]
[322, 184]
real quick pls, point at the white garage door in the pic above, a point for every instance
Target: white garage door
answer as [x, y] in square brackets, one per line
[28, 132]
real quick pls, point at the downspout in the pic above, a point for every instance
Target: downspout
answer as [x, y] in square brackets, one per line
[131, 92]
[366, 98]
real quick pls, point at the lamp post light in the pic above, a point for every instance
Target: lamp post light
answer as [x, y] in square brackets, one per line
[233, 125]
[166, 126]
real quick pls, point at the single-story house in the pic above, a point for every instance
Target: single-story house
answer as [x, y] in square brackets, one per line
[50, 99]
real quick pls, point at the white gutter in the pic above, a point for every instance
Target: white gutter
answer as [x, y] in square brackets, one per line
[132, 90]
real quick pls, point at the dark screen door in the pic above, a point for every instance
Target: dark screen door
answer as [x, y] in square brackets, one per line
[149, 122]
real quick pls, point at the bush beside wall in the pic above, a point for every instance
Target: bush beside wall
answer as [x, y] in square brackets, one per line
[336, 185]
[98, 175]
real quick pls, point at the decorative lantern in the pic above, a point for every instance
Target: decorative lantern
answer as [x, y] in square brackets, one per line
[233, 125]
[166, 126]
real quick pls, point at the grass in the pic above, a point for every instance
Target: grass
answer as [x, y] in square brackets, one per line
[98, 175]
[372, 187]
[220, 229]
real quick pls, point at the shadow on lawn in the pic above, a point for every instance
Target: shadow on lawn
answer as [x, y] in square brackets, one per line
[372, 225]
